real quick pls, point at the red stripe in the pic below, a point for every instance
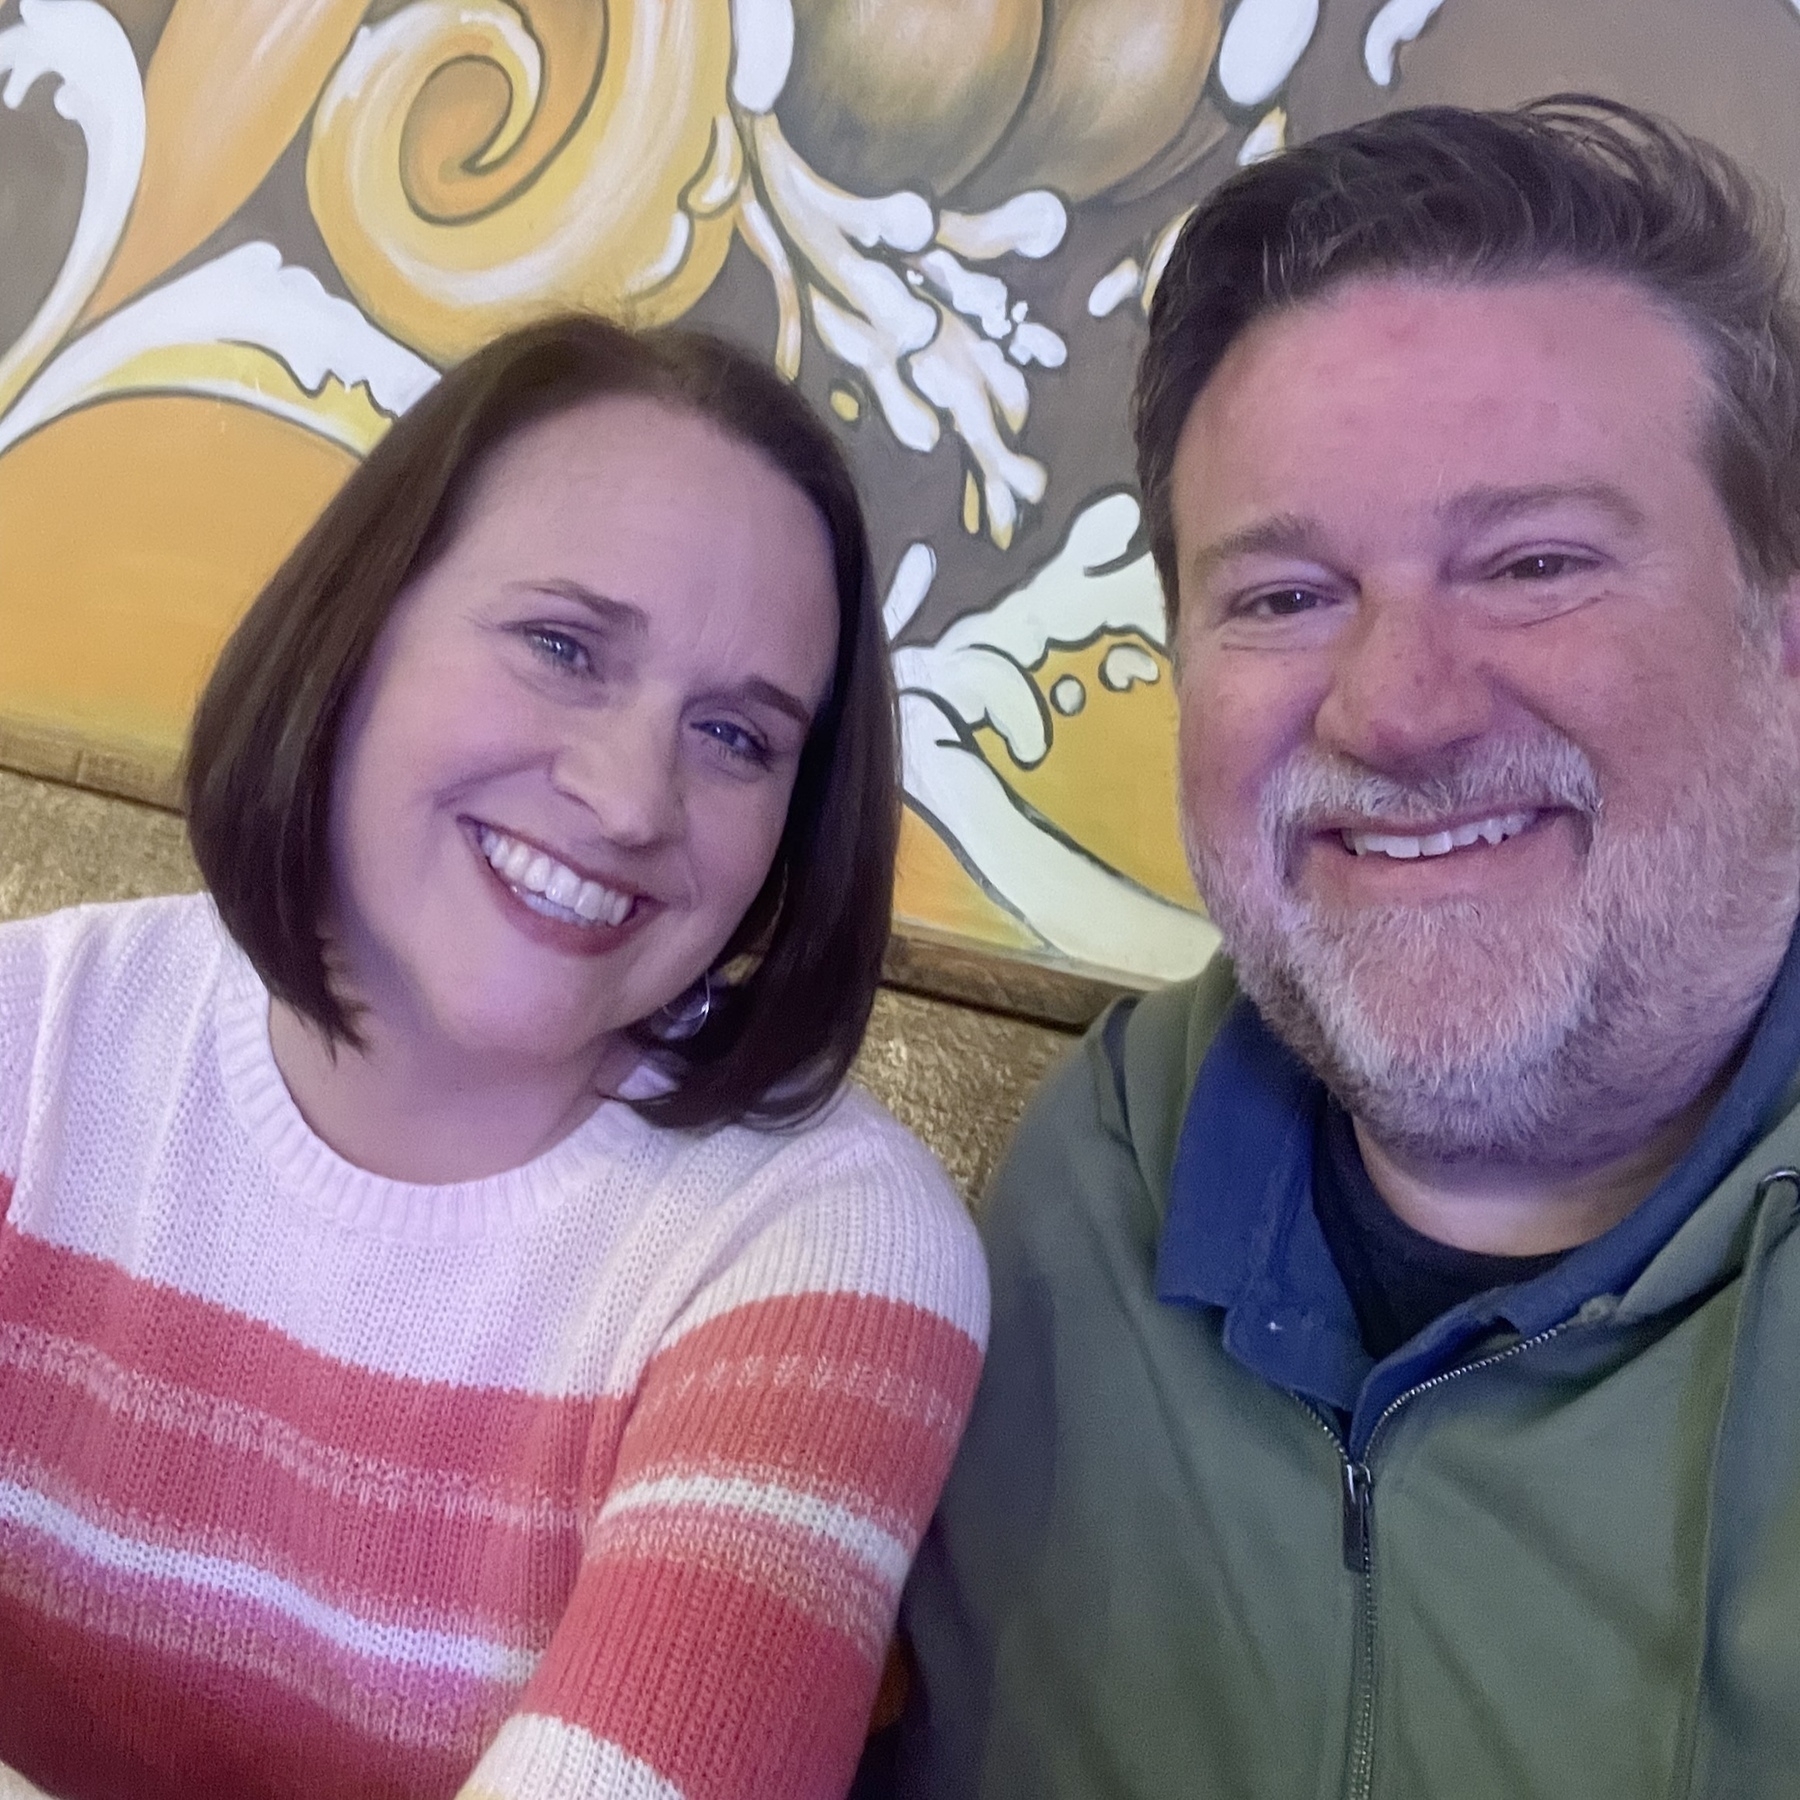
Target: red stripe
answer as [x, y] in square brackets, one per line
[91, 1718]
[176, 1468]
[721, 1688]
[487, 1433]
[798, 1390]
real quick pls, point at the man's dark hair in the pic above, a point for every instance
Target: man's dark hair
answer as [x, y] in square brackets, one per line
[261, 754]
[1571, 184]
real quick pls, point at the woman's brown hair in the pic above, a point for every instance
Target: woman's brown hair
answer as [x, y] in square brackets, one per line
[807, 955]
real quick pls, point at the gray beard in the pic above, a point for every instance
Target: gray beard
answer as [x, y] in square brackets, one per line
[1553, 1036]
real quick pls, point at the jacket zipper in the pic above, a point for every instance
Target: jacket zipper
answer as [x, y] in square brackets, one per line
[1357, 1486]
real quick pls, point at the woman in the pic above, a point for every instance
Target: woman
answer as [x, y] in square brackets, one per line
[455, 1334]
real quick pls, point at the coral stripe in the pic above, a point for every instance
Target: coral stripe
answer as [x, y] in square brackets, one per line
[683, 1708]
[475, 1431]
[213, 1473]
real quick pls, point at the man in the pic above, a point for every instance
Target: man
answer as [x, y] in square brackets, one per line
[1395, 1377]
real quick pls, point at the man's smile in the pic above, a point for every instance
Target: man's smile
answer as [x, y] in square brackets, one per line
[1440, 841]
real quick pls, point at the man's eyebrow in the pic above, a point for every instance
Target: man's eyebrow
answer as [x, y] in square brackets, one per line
[1282, 534]
[617, 616]
[1478, 507]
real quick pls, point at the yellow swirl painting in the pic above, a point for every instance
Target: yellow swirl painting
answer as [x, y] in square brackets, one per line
[239, 237]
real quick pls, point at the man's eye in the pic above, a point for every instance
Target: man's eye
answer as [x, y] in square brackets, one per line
[1546, 565]
[558, 647]
[1283, 603]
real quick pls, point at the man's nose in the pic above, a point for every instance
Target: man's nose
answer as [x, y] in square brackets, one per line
[625, 768]
[1406, 683]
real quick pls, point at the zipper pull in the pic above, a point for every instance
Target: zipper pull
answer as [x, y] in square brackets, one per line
[1357, 1482]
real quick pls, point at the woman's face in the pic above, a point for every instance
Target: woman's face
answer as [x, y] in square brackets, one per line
[567, 768]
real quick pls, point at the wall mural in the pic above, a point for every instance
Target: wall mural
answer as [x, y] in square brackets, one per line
[239, 237]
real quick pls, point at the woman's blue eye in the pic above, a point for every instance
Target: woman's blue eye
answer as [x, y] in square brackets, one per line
[558, 647]
[735, 741]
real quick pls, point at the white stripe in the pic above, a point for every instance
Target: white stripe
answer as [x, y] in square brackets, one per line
[538, 1755]
[864, 1540]
[399, 1644]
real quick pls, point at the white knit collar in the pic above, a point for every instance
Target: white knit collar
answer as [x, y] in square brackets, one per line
[317, 1176]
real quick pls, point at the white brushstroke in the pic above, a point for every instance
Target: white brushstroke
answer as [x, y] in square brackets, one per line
[1068, 695]
[762, 41]
[1031, 224]
[1064, 602]
[851, 339]
[978, 297]
[1119, 284]
[1035, 343]
[1397, 23]
[1076, 904]
[1125, 664]
[970, 379]
[1268, 137]
[85, 48]
[974, 674]
[1263, 42]
[246, 296]
[906, 593]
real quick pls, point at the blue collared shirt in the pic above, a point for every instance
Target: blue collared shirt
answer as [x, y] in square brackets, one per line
[1241, 1234]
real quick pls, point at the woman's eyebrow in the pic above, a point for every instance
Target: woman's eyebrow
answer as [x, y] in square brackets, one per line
[619, 617]
[756, 688]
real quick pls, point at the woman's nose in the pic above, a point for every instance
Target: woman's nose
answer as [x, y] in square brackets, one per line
[626, 772]
[1405, 683]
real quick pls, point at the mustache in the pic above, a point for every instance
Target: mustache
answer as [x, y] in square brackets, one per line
[1546, 771]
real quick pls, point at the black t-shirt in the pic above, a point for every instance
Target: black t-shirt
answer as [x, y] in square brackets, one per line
[1399, 1280]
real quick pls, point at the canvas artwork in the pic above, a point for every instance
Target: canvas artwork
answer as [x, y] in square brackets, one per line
[239, 237]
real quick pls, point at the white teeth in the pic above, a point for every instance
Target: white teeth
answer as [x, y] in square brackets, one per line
[1495, 830]
[550, 887]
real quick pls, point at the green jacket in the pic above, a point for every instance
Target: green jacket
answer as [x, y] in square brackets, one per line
[1564, 1566]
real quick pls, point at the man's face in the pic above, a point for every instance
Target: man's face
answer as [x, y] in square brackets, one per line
[1487, 781]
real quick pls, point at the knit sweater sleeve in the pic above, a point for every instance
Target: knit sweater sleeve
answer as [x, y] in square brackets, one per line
[22, 976]
[747, 1543]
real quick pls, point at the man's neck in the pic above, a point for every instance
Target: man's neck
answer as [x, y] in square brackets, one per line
[1513, 1209]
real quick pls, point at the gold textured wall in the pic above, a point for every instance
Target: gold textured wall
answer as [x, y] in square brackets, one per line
[956, 1075]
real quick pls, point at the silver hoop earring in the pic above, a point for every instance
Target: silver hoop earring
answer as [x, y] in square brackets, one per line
[687, 1013]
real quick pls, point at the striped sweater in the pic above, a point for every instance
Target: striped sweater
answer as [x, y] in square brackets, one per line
[597, 1477]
